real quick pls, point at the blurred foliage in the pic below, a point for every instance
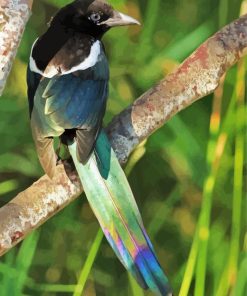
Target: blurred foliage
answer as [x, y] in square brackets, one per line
[187, 178]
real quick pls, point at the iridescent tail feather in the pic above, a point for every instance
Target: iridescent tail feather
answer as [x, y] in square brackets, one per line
[112, 201]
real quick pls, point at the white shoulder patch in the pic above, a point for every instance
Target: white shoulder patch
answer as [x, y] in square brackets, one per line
[52, 70]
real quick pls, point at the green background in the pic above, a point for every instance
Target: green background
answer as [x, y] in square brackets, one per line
[174, 175]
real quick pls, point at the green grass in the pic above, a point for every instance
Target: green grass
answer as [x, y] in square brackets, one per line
[188, 178]
[229, 276]
[14, 271]
[198, 258]
[88, 264]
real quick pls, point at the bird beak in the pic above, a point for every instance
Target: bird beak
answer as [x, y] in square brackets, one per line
[120, 19]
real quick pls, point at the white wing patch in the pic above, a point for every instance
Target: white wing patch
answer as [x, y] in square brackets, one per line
[53, 70]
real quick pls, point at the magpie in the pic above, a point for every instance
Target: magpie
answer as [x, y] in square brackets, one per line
[67, 80]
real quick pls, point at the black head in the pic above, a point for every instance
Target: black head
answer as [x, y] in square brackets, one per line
[93, 17]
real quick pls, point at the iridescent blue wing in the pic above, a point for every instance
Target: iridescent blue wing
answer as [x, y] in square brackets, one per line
[71, 102]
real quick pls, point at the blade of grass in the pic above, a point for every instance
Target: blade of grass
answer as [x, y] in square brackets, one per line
[201, 236]
[24, 260]
[226, 131]
[214, 152]
[218, 241]
[229, 275]
[241, 285]
[17, 271]
[136, 156]
[190, 267]
[238, 175]
[88, 264]
[7, 275]
[8, 186]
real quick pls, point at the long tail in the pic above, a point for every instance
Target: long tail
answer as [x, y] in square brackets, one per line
[112, 201]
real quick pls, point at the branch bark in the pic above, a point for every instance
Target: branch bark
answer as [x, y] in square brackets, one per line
[14, 15]
[197, 77]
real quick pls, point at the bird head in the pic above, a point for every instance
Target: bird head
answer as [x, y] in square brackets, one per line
[93, 17]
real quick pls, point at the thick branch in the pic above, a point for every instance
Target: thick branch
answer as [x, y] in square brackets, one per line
[198, 76]
[13, 17]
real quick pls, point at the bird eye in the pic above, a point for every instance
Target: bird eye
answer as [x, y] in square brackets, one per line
[95, 17]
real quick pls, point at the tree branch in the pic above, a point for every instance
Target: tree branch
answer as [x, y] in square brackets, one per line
[14, 15]
[198, 76]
